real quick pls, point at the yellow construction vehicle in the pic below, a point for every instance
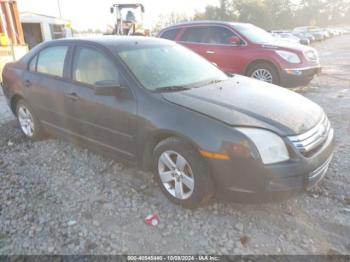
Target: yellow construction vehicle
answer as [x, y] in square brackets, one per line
[129, 19]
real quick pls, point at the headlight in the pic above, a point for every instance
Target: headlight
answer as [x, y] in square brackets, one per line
[311, 55]
[271, 147]
[289, 56]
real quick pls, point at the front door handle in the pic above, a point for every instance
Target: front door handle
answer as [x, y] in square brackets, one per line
[73, 96]
[27, 83]
[210, 52]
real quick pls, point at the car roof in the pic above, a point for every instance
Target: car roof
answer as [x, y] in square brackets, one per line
[112, 41]
[202, 22]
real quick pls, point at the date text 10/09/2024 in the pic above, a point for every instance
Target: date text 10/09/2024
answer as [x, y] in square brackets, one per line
[173, 258]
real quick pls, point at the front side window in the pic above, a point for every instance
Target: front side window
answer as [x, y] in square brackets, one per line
[51, 60]
[158, 67]
[91, 66]
[219, 35]
[208, 35]
[170, 34]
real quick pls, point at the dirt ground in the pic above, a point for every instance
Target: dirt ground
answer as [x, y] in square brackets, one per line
[56, 198]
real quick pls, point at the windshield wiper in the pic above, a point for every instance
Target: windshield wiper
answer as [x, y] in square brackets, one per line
[172, 88]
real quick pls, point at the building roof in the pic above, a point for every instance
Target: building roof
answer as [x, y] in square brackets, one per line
[30, 17]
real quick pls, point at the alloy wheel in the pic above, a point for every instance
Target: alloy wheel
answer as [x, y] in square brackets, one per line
[26, 121]
[176, 174]
[263, 75]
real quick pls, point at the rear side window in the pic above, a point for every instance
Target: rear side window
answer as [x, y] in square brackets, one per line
[170, 34]
[195, 34]
[51, 60]
[91, 66]
[208, 35]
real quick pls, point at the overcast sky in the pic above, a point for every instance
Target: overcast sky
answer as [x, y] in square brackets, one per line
[95, 14]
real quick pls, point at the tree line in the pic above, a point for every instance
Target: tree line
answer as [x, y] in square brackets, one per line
[272, 14]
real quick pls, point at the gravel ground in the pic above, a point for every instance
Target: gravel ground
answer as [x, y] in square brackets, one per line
[57, 198]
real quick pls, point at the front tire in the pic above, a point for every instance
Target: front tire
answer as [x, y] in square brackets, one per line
[264, 72]
[29, 123]
[181, 173]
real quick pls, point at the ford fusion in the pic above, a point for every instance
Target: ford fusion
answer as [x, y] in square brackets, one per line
[158, 104]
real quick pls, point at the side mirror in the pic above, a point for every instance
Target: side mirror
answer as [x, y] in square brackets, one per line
[235, 40]
[108, 88]
[112, 10]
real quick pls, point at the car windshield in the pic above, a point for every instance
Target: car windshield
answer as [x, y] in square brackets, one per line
[169, 66]
[254, 33]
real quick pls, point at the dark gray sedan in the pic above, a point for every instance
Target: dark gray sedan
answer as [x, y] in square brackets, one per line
[158, 104]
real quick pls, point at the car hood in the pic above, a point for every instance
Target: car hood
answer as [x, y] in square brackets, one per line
[242, 101]
[280, 44]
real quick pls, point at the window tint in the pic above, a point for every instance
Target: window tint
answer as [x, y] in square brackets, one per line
[170, 34]
[32, 64]
[219, 35]
[207, 35]
[91, 66]
[175, 66]
[51, 60]
[195, 34]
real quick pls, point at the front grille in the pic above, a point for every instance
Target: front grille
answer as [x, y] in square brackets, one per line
[311, 141]
[311, 55]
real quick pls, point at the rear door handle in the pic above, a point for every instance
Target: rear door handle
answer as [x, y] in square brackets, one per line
[210, 52]
[73, 96]
[27, 83]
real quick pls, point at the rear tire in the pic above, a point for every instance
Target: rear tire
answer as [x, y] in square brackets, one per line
[29, 123]
[180, 168]
[264, 72]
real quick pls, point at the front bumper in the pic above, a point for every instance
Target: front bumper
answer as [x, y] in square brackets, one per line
[297, 174]
[292, 77]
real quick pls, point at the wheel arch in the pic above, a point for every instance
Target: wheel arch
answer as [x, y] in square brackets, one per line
[264, 61]
[14, 100]
[154, 139]
[261, 61]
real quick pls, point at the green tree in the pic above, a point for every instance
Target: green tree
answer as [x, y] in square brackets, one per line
[255, 12]
[169, 19]
[280, 14]
[225, 12]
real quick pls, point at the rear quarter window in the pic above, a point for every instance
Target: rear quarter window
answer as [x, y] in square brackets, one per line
[170, 34]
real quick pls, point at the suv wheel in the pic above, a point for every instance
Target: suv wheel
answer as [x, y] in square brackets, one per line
[181, 173]
[28, 122]
[264, 72]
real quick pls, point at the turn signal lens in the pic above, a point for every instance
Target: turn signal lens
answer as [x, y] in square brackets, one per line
[219, 156]
[237, 150]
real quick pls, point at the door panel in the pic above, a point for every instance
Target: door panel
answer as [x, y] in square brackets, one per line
[212, 43]
[105, 120]
[45, 90]
[227, 58]
[194, 39]
[109, 121]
